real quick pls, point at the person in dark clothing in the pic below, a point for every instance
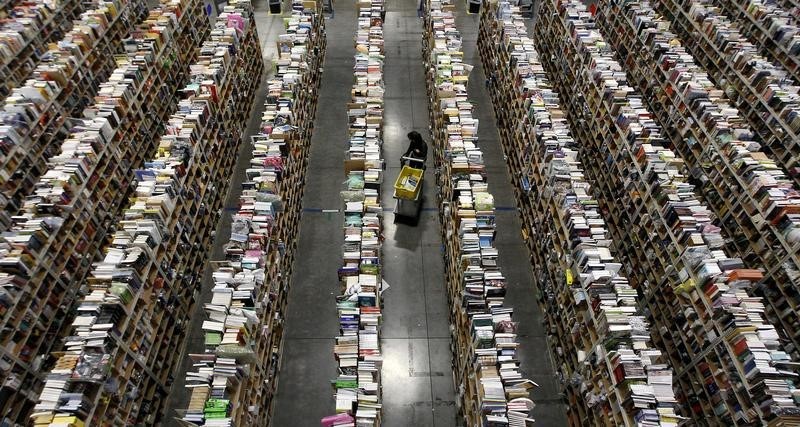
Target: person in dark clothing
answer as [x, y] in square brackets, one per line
[417, 149]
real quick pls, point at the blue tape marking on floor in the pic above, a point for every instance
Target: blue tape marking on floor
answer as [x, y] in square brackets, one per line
[388, 209]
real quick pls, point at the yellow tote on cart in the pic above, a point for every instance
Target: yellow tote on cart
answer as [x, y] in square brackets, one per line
[408, 183]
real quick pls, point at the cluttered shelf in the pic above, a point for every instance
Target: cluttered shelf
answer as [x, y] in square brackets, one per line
[614, 375]
[675, 80]
[694, 292]
[762, 91]
[63, 225]
[492, 388]
[134, 314]
[358, 387]
[781, 245]
[25, 34]
[233, 382]
[770, 26]
[766, 96]
[35, 117]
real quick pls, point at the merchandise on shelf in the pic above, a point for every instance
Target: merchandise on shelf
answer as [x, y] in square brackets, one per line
[123, 347]
[613, 373]
[699, 299]
[763, 92]
[34, 120]
[718, 135]
[238, 370]
[25, 34]
[773, 27]
[63, 225]
[492, 390]
[752, 197]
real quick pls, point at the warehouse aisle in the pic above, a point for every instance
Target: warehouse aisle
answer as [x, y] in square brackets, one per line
[269, 27]
[304, 391]
[536, 362]
[418, 387]
[417, 374]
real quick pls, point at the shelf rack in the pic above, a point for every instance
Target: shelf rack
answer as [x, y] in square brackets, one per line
[766, 79]
[140, 296]
[771, 27]
[357, 388]
[614, 375]
[773, 240]
[26, 32]
[762, 91]
[698, 298]
[235, 380]
[48, 252]
[644, 42]
[35, 117]
[492, 390]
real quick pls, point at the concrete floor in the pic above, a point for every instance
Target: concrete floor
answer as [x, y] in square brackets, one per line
[417, 381]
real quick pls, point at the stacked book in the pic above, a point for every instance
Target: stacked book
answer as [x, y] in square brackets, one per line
[763, 220]
[601, 345]
[699, 298]
[243, 327]
[25, 33]
[663, 57]
[772, 27]
[130, 326]
[765, 94]
[64, 223]
[357, 349]
[493, 389]
[34, 117]
[222, 372]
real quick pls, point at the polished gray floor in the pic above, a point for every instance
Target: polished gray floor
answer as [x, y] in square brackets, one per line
[418, 382]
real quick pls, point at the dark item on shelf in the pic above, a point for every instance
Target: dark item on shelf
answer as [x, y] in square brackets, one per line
[275, 6]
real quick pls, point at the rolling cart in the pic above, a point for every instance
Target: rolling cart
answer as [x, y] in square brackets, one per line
[408, 191]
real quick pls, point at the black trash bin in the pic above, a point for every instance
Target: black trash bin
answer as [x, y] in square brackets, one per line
[275, 6]
[474, 6]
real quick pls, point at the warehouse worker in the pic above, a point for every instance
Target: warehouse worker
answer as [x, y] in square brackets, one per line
[417, 149]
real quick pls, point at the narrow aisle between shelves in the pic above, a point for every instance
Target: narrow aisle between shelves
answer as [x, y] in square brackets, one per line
[417, 374]
[304, 394]
[513, 256]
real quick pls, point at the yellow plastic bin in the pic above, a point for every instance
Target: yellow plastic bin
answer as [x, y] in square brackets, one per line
[408, 183]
